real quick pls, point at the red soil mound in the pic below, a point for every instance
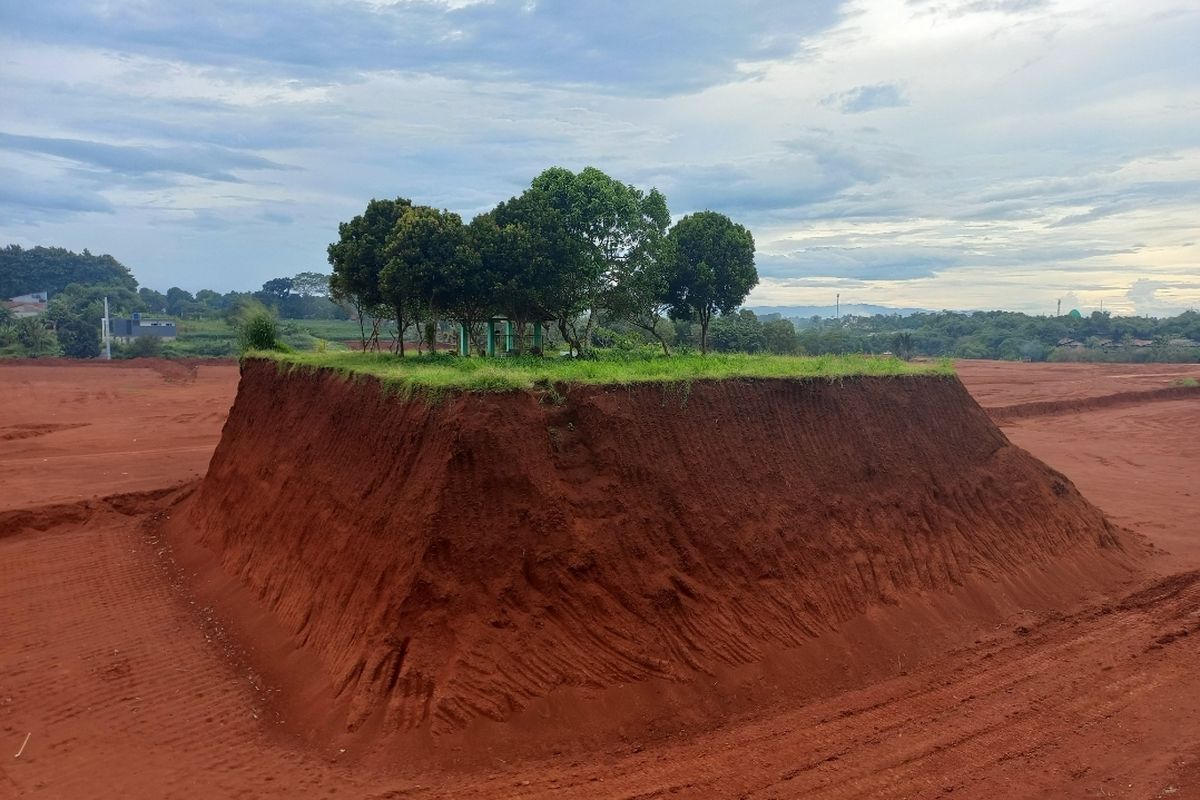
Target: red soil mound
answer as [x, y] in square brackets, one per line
[1049, 408]
[455, 561]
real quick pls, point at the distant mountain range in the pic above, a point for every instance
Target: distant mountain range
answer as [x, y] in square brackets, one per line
[847, 310]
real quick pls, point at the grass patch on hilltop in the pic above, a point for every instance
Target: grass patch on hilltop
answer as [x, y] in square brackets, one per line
[438, 374]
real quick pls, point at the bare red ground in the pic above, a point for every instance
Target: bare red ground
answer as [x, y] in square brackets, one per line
[132, 687]
[71, 431]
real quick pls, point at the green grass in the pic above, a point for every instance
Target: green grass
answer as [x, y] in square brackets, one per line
[439, 374]
[1188, 382]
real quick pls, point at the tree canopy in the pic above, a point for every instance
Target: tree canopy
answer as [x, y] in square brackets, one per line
[569, 250]
[714, 268]
[53, 269]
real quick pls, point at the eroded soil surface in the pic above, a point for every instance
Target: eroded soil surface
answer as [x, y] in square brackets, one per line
[116, 680]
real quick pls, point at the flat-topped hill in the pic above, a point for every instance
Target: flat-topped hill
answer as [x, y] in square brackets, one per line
[454, 561]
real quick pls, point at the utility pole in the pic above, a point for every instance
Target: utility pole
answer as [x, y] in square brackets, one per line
[837, 308]
[107, 341]
[1059, 312]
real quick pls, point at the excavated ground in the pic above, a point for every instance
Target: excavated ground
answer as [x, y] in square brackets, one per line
[140, 664]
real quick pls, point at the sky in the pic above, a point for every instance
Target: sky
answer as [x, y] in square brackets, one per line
[957, 154]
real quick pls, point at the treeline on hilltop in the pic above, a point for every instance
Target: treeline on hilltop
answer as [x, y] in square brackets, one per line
[570, 251]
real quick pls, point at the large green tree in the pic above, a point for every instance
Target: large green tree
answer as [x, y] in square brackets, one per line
[425, 262]
[714, 268]
[543, 270]
[612, 220]
[358, 258]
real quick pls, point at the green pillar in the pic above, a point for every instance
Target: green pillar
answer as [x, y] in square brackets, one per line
[491, 337]
[464, 340]
[508, 336]
[537, 336]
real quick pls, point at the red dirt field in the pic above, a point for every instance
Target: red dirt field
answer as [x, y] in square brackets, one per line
[71, 430]
[133, 662]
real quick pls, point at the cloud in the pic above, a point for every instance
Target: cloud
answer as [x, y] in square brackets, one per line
[201, 161]
[623, 46]
[867, 98]
[959, 8]
[874, 263]
[1147, 297]
[1044, 145]
[23, 201]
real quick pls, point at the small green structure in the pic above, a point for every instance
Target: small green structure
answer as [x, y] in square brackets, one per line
[464, 337]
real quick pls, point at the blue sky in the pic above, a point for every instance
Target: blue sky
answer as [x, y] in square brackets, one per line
[932, 153]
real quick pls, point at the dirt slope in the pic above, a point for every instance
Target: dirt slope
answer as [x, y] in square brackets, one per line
[456, 562]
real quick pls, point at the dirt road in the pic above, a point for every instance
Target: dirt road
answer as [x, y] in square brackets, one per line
[115, 682]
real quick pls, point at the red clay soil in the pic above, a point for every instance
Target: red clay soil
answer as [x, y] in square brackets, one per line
[1009, 383]
[1140, 463]
[1049, 408]
[453, 563]
[71, 430]
[128, 657]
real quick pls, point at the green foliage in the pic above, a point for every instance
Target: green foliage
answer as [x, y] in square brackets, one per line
[28, 337]
[145, 347]
[53, 269]
[779, 336]
[714, 268]
[358, 257]
[616, 225]
[739, 332]
[1007, 335]
[258, 331]
[434, 374]
[76, 314]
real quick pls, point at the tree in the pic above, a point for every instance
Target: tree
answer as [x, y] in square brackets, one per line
[358, 258]
[714, 268]
[541, 268]
[641, 294]
[902, 345]
[739, 332]
[424, 257]
[28, 336]
[779, 336]
[152, 301]
[277, 288]
[53, 269]
[612, 220]
[311, 284]
[78, 334]
[180, 302]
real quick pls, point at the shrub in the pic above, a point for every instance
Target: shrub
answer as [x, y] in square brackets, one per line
[259, 331]
[145, 347]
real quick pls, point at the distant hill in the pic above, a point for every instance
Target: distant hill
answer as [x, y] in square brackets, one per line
[848, 309]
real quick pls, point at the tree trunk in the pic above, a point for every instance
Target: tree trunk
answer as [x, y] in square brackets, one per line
[400, 331]
[563, 329]
[704, 320]
[362, 325]
[589, 329]
[661, 340]
[373, 341]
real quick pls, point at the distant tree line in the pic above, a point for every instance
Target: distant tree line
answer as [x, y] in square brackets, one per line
[1002, 335]
[78, 283]
[570, 251]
